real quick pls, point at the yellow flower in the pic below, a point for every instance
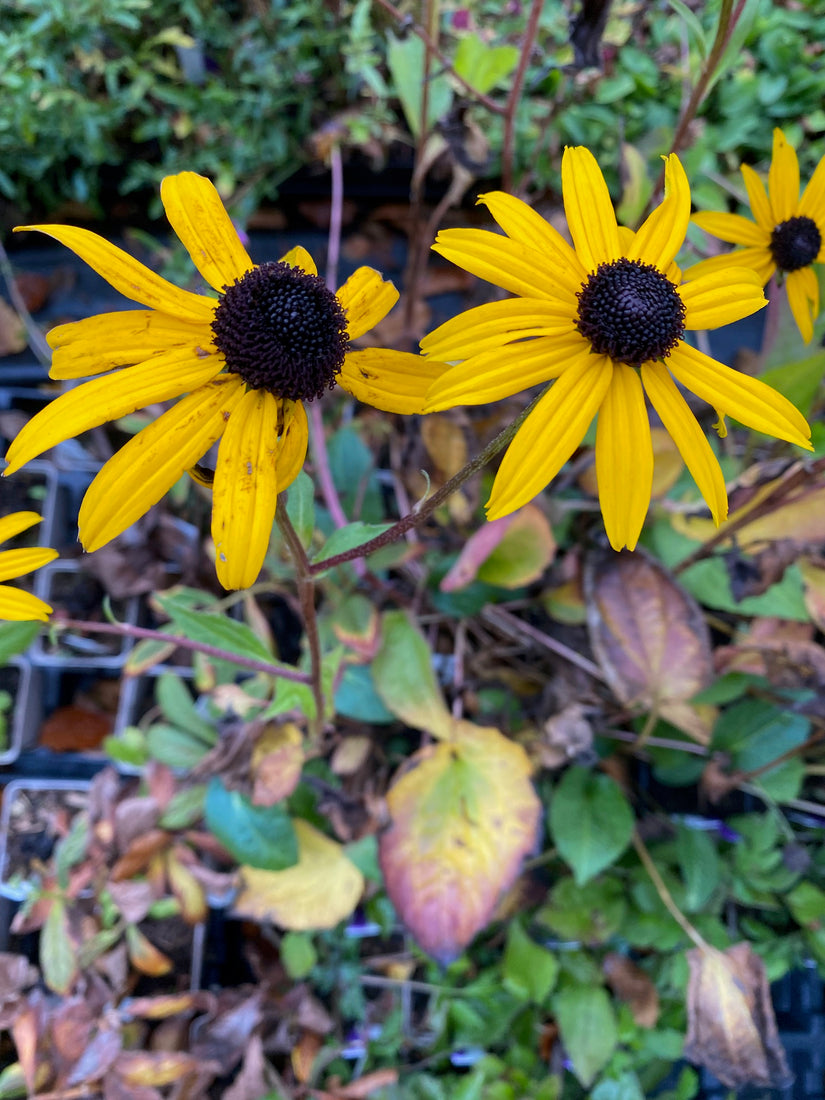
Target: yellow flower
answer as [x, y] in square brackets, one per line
[14, 604]
[246, 359]
[787, 235]
[605, 320]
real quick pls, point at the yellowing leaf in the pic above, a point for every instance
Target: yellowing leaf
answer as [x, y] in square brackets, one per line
[144, 955]
[731, 1025]
[650, 638]
[321, 889]
[185, 887]
[277, 760]
[510, 552]
[464, 814]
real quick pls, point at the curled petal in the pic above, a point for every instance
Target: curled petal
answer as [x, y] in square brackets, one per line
[758, 198]
[292, 446]
[146, 467]
[812, 203]
[550, 434]
[128, 276]
[624, 458]
[662, 234]
[524, 224]
[803, 298]
[299, 257]
[196, 213]
[16, 523]
[367, 299]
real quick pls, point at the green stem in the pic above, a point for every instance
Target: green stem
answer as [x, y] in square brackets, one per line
[306, 595]
[664, 893]
[426, 509]
[514, 97]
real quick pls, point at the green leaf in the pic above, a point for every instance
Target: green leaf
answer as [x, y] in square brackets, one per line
[347, 538]
[298, 954]
[755, 733]
[300, 507]
[588, 1029]
[403, 674]
[177, 705]
[590, 820]
[530, 970]
[16, 638]
[799, 381]
[129, 747]
[481, 65]
[591, 913]
[216, 630]
[699, 865]
[357, 698]
[626, 1087]
[174, 747]
[405, 58]
[57, 958]
[257, 836]
[184, 809]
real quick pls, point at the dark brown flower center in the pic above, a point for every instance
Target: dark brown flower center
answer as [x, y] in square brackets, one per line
[283, 331]
[795, 243]
[630, 311]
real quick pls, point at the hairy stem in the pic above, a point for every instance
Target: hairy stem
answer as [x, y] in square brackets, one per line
[306, 596]
[664, 893]
[514, 97]
[126, 630]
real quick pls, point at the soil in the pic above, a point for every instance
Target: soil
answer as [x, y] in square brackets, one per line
[36, 821]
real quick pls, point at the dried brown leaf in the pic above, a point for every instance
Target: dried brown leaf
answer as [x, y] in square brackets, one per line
[731, 1024]
[633, 986]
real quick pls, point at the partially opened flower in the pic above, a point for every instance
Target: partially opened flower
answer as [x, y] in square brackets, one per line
[786, 237]
[15, 604]
[606, 320]
[242, 362]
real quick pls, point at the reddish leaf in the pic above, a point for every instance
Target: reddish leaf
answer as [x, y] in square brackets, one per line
[464, 814]
[650, 638]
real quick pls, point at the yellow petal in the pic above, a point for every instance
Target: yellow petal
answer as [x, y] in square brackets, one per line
[662, 234]
[758, 199]
[292, 446]
[152, 461]
[94, 403]
[299, 257]
[503, 371]
[367, 299]
[550, 434]
[587, 204]
[803, 298]
[98, 344]
[17, 522]
[783, 179]
[721, 297]
[734, 394]
[733, 228]
[394, 381]
[683, 429]
[496, 324]
[198, 216]
[755, 259]
[16, 563]
[244, 491]
[17, 606]
[506, 263]
[812, 203]
[525, 225]
[624, 458]
[128, 276]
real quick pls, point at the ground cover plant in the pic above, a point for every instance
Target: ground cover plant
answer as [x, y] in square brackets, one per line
[476, 715]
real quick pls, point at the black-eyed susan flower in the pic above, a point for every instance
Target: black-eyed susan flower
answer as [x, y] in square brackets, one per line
[606, 320]
[242, 363]
[14, 604]
[786, 236]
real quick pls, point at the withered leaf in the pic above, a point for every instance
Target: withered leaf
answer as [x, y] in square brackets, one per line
[16, 974]
[731, 1024]
[633, 986]
[650, 638]
[97, 1058]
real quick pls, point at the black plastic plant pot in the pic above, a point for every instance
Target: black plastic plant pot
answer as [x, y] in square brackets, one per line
[28, 828]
